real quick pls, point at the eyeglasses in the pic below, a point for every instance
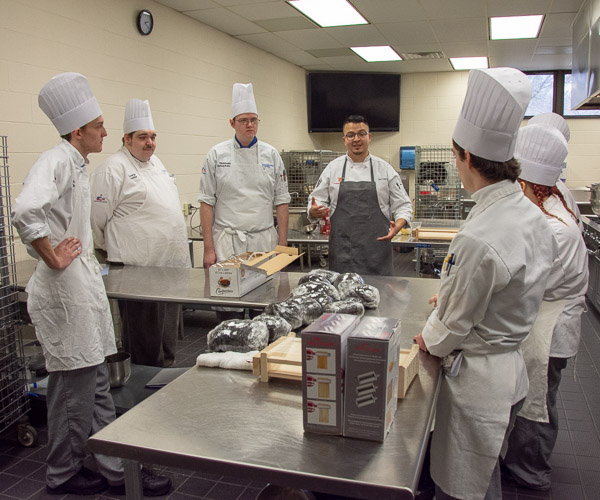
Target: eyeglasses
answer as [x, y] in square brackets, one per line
[351, 135]
[244, 121]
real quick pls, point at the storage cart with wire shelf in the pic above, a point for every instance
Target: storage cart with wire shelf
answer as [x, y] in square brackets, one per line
[14, 402]
[303, 170]
[438, 201]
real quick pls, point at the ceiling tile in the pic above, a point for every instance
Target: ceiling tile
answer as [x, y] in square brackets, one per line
[553, 50]
[413, 33]
[286, 24]
[231, 3]
[225, 21]
[566, 5]
[456, 9]
[558, 25]
[461, 30]
[301, 58]
[330, 52]
[357, 36]
[266, 10]
[425, 66]
[467, 49]
[269, 42]
[542, 62]
[310, 39]
[504, 8]
[183, 5]
[390, 11]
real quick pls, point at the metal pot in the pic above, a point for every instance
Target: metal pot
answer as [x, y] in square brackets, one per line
[119, 368]
[595, 198]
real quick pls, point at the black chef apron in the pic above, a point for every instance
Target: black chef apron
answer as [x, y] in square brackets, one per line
[356, 224]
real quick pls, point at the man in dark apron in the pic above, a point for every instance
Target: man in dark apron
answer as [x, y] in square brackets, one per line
[366, 203]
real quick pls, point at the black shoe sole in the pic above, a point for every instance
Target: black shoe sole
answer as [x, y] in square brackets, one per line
[62, 490]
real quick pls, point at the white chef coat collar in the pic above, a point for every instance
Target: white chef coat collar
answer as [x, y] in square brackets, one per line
[488, 195]
[359, 162]
[74, 154]
[254, 141]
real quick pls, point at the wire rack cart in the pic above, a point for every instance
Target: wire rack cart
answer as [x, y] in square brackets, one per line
[14, 402]
[303, 169]
[438, 201]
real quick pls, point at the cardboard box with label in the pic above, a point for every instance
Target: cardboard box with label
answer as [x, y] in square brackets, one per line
[241, 274]
[323, 360]
[371, 385]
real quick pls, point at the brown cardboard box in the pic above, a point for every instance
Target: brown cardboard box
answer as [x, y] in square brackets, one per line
[408, 369]
[371, 385]
[323, 359]
[241, 274]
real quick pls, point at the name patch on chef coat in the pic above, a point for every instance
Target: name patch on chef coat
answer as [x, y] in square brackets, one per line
[223, 164]
[133, 176]
[268, 165]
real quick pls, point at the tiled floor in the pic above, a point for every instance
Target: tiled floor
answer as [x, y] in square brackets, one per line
[576, 458]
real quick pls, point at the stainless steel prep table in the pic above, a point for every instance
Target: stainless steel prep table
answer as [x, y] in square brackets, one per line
[227, 422]
[310, 240]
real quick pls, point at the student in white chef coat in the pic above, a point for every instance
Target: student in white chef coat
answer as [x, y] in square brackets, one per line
[366, 202]
[242, 180]
[66, 297]
[541, 151]
[559, 123]
[137, 220]
[492, 285]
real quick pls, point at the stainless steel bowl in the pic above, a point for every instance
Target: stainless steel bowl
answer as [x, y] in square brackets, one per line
[119, 368]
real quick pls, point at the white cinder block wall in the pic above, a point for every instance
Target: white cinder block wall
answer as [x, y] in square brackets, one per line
[186, 70]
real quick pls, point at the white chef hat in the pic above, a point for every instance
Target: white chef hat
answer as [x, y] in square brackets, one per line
[242, 99]
[492, 112]
[541, 151]
[553, 120]
[68, 101]
[137, 116]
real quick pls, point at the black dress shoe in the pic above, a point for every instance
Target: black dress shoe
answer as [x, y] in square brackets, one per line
[153, 485]
[81, 483]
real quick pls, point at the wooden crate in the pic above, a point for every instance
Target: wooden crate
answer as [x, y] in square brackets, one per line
[408, 369]
[281, 359]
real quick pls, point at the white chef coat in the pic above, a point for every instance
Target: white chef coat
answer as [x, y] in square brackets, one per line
[236, 227]
[571, 203]
[569, 280]
[393, 200]
[136, 216]
[68, 307]
[488, 301]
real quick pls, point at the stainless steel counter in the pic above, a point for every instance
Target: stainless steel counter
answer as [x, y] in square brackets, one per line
[227, 422]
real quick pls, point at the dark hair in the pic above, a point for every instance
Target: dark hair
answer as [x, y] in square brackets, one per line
[67, 137]
[355, 119]
[130, 135]
[494, 171]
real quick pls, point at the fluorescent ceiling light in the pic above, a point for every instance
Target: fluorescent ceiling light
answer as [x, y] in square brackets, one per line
[377, 53]
[459, 63]
[510, 28]
[328, 13]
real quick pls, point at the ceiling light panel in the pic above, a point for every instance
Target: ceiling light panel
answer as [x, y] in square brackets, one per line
[462, 63]
[515, 27]
[330, 12]
[377, 53]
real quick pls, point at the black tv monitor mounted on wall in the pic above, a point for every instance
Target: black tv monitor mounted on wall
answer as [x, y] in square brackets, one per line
[332, 97]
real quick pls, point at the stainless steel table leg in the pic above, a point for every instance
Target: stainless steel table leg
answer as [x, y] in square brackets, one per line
[133, 480]
[309, 257]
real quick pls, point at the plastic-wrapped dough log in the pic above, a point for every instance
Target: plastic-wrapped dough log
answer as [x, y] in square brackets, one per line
[367, 294]
[238, 335]
[354, 277]
[349, 306]
[277, 326]
[316, 286]
[287, 309]
[312, 306]
[319, 275]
